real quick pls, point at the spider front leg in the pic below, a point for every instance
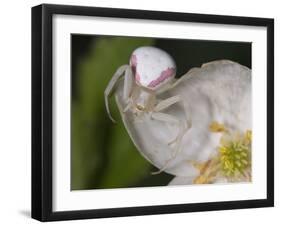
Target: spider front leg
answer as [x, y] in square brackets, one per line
[162, 105]
[169, 119]
[173, 120]
[128, 86]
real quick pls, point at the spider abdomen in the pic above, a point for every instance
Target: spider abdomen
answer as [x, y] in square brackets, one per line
[152, 67]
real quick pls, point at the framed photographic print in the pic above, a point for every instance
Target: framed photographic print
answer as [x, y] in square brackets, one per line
[147, 112]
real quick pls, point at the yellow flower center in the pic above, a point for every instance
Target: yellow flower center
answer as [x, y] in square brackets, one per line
[234, 158]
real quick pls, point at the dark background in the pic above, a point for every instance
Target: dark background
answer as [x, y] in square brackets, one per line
[95, 163]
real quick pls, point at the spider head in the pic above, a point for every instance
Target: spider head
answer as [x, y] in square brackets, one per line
[143, 100]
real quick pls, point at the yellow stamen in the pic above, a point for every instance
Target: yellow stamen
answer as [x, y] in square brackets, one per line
[248, 137]
[216, 127]
[234, 155]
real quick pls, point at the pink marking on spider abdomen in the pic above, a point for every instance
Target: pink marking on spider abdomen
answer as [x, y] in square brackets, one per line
[137, 77]
[163, 76]
[133, 62]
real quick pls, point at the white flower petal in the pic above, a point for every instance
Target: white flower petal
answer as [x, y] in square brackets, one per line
[218, 91]
[181, 181]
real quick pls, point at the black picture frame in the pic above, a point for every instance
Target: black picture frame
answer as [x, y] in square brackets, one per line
[42, 107]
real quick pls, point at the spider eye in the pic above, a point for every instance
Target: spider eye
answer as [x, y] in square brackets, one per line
[140, 108]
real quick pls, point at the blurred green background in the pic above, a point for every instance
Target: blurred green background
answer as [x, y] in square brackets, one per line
[102, 154]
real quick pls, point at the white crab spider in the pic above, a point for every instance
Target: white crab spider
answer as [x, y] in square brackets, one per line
[151, 71]
[218, 91]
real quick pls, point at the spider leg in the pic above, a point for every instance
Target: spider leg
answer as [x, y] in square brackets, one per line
[128, 83]
[170, 119]
[185, 104]
[162, 105]
[164, 117]
[111, 85]
[182, 131]
[177, 150]
[128, 106]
